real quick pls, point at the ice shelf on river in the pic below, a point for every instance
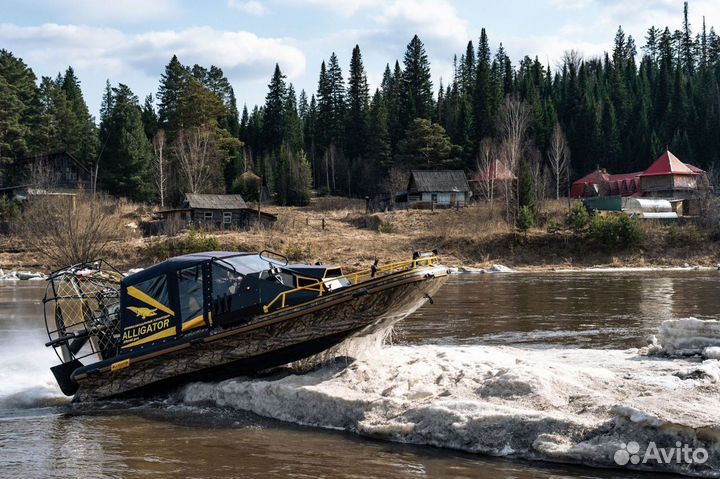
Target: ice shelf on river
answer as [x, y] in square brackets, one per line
[567, 405]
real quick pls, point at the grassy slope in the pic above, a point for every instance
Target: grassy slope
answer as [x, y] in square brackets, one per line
[472, 236]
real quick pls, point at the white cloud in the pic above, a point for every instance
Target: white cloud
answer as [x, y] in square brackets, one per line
[346, 8]
[252, 7]
[571, 4]
[436, 19]
[242, 55]
[114, 10]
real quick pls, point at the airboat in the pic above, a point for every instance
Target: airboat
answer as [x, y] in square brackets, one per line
[215, 315]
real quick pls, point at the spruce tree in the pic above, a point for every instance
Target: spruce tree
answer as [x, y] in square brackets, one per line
[274, 112]
[357, 108]
[172, 84]
[417, 84]
[482, 99]
[149, 118]
[125, 161]
[80, 136]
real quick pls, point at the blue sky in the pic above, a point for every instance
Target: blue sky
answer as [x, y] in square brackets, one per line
[130, 41]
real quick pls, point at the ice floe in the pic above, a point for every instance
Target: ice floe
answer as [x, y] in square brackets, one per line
[496, 268]
[569, 405]
[688, 337]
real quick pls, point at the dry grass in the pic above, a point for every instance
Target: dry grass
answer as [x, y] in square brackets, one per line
[477, 235]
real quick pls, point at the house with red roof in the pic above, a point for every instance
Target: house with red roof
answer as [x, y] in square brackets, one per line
[493, 180]
[667, 177]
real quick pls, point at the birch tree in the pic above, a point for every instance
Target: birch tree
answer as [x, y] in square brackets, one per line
[197, 157]
[514, 120]
[559, 157]
[160, 165]
[486, 158]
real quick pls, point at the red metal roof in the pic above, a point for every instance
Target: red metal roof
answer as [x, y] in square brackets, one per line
[695, 169]
[625, 184]
[668, 164]
[496, 171]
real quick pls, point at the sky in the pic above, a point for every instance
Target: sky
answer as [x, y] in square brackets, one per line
[131, 41]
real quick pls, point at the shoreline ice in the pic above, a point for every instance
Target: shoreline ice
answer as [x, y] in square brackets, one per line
[560, 405]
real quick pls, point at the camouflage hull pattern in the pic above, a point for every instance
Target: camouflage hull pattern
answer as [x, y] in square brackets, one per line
[270, 340]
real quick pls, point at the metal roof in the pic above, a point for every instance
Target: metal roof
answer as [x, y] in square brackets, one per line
[178, 263]
[496, 171]
[214, 202]
[668, 164]
[424, 181]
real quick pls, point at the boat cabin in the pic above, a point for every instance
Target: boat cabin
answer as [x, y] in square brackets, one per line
[192, 292]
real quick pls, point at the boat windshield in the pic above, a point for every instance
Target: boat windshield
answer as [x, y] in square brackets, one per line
[247, 264]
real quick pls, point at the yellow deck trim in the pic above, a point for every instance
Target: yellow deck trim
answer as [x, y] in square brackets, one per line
[137, 294]
[193, 323]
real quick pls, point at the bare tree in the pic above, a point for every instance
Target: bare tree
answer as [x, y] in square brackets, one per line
[68, 228]
[42, 176]
[514, 120]
[572, 58]
[487, 158]
[539, 177]
[197, 153]
[160, 165]
[559, 157]
[330, 157]
[396, 181]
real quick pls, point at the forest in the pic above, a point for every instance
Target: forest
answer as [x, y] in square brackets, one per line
[548, 123]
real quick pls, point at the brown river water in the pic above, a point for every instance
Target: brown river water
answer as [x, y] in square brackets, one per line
[41, 435]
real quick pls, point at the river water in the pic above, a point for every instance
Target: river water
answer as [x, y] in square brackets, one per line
[546, 332]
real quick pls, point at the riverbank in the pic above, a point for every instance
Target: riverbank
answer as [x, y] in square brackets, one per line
[333, 230]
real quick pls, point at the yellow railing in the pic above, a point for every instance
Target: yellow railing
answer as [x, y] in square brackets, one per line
[354, 278]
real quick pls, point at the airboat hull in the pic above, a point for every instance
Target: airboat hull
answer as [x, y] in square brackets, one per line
[268, 340]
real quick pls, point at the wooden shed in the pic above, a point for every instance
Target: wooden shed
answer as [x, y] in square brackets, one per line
[442, 188]
[668, 177]
[216, 211]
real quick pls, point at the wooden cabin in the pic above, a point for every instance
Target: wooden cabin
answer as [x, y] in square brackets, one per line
[439, 188]
[216, 212]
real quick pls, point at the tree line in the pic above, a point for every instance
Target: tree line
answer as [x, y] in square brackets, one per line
[619, 110]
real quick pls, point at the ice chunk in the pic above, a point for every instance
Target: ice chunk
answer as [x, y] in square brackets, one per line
[686, 337]
[574, 405]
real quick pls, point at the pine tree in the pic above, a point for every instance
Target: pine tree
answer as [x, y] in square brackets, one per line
[426, 146]
[19, 112]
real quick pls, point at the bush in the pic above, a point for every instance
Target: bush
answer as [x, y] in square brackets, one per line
[526, 218]
[615, 231]
[297, 252]
[194, 242]
[684, 236]
[246, 187]
[578, 218]
[69, 229]
[9, 209]
[386, 227]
